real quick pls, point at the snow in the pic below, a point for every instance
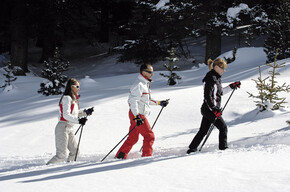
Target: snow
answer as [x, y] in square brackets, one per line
[233, 12]
[161, 3]
[259, 143]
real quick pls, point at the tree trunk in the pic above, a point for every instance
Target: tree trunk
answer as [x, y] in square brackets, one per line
[19, 39]
[213, 44]
[47, 25]
[104, 33]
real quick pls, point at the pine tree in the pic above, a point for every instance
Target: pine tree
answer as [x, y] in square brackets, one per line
[268, 89]
[55, 80]
[262, 94]
[172, 77]
[152, 31]
[279, 32]
[9, 76]
[144, 44]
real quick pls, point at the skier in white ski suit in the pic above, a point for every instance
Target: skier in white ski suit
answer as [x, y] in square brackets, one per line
[139, 103]
[69, 116]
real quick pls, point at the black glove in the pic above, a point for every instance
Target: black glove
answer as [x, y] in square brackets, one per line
[83, 121]
[217, 112]
[164, 103]
[235, 85]
[138, 120]
[89, 111]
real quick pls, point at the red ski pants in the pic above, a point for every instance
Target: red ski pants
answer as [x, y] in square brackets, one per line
[145, 130]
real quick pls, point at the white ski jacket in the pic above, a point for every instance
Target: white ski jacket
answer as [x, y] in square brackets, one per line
[140, 97]
[69, 110]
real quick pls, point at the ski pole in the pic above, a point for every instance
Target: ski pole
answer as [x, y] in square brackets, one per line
[79, 142]
[212, 125]
[78, 129]
[155, 121]
[81, 127]
[118, 143]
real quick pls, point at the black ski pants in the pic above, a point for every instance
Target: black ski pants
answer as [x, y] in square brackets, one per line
[207, 119]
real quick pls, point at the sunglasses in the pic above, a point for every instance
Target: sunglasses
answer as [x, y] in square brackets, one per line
[76, 86]
[150, 72]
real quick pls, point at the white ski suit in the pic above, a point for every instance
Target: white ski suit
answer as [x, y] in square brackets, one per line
[140, 97]
[64, 135]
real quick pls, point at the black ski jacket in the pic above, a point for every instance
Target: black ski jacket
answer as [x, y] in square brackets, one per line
[212, 91]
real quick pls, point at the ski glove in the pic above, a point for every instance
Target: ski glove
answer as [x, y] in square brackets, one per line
[217, 112]
[83, 121]
[235, 85]
[138, 120]
[163, 103]
[89, 111]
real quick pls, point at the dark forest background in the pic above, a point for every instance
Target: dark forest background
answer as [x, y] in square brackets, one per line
[137, 30]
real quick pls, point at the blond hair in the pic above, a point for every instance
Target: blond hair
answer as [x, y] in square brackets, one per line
[219, 62]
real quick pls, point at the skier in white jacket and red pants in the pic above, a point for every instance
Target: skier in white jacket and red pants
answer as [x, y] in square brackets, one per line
[70, 114]
[139, 104]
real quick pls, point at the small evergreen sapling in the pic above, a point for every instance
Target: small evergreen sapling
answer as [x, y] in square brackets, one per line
[262, 93]
[55, 80]
[9, 76]
[172, 77]
[268, 89]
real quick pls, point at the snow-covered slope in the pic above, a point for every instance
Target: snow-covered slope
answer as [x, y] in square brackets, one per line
[257, 160]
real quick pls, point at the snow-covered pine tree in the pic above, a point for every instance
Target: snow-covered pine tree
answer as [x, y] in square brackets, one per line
[55, 80]
[268, 92]
[279, 32]
[288, 122]
[9, 75]
[172, 77]
[256, 24]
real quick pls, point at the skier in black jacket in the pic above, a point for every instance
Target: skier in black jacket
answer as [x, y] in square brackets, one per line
[211, 107]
